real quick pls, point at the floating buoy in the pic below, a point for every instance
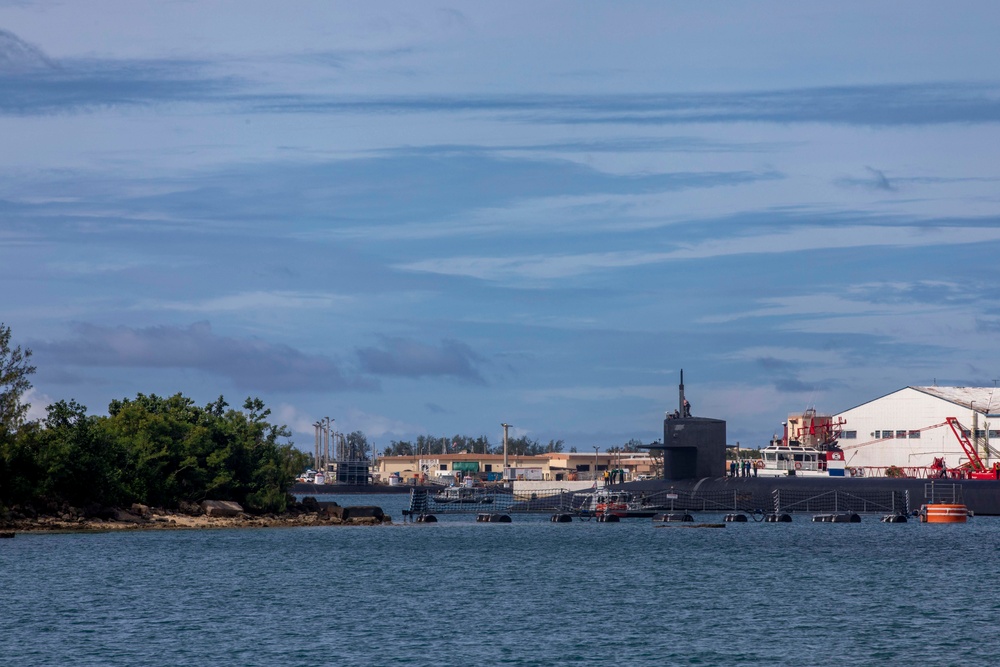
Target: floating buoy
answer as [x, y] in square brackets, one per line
[944, 513]
[427, 518]
[562, 518]
[778, 518]
[673, 517]
[736, 518]
[609, 518]
[894, 518]
[493, 518]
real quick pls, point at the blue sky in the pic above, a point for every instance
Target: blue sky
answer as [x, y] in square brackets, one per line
[428, 218]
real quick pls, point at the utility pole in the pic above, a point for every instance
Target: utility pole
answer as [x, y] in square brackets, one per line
[596, 449]
[317, 427]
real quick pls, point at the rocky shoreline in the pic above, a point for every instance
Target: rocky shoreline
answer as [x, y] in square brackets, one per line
[207, 515]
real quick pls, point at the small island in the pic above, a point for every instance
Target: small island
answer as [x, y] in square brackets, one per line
[150, 462]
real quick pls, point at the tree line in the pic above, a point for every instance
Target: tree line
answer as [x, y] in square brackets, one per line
[458, 444]
[158, 451]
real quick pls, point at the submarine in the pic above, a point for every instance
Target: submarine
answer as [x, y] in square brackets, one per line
[693, 452]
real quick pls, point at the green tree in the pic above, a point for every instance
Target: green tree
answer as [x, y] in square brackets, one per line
[80, 463]
[399, 448]
[15, 372]
[358, 448]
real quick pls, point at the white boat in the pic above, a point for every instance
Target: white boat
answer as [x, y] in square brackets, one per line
[465, 495]
[808, 448]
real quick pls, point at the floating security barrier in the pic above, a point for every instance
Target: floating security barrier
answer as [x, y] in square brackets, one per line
[894, 518]
[493, 518]
[609, 518]
[846, 517]
[427, 518]
[562, 518]
[673, 517]
[736, 517]
[778, 518]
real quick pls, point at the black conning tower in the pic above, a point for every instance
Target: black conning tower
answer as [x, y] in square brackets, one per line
[693, 447]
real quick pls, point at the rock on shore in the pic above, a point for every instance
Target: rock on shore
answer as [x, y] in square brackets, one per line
[209, 514]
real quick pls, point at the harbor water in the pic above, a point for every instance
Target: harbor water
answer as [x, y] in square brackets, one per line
[531, 592]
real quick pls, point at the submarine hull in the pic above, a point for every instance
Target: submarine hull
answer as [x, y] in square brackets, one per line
[818, 494]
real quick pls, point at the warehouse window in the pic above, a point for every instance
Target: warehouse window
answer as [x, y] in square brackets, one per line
[887, 434]
[980, 433]
[914, 434]
[849, 435]
[994, 434]
[900, 434]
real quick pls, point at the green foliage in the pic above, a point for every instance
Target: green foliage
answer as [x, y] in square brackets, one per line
[14, 383]
[153, 450]
[428, 444]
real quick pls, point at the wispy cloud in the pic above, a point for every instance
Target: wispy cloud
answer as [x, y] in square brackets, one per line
[261, 300]
[419, 193]
[929, 103]
[875, 180]
[31, 83]
[249, 363]
[19, 57]
[549, 267]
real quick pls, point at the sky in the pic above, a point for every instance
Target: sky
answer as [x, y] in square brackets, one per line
[431, 218]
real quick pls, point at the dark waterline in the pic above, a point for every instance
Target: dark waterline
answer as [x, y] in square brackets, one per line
[527, 593]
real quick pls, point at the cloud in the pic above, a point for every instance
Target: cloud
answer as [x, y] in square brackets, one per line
[930, 103]
[30, 83]
[86, 85]
[407, 358]
[250, 364]
[39, 403]
[19, 57]
[255, 301]
[374, 426]
[804, 238]
[404, 194]
[876, 180]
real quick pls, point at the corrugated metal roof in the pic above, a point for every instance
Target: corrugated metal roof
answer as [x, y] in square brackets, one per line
[980, 399]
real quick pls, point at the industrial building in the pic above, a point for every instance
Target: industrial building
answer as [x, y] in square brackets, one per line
[909, 429]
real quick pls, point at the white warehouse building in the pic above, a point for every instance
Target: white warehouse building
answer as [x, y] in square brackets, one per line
[909, 428]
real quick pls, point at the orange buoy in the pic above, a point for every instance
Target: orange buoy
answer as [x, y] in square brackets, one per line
[944, 513]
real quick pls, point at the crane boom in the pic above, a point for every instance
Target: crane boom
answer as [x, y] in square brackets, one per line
[872, 442]
[970, 451]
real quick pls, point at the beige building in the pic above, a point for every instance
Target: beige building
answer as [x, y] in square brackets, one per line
[561, 466]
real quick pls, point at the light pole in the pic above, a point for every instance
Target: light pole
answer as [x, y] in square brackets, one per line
[596, 449]
[505, 469]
